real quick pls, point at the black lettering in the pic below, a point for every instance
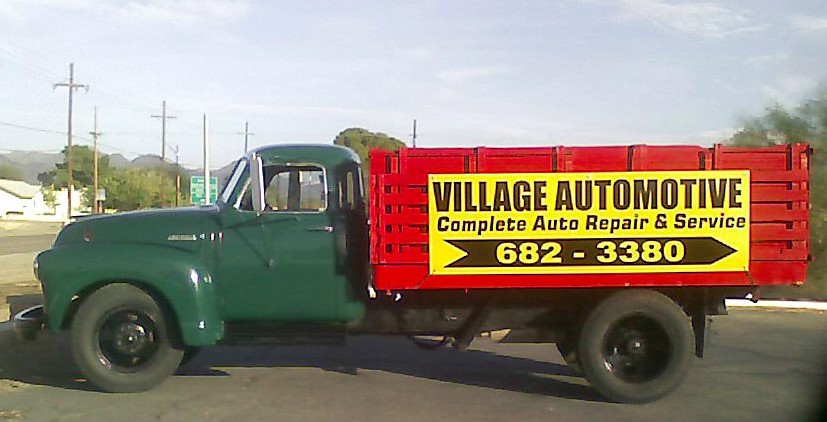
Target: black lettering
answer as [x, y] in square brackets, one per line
[687, 198]
[442, 196]
[601, 192]
[540, 196]
[717, 193]
[583, 194]
[645, 196]
[680, 221]
[442, 223]
[620, 194]
[563, 201]
[591, 222]
[483, 200]
[522, 197]
[501, 200]
[457, 196]
[702, 193]
[735, 193]
[669, 194]
[469, 200]
[539, 224]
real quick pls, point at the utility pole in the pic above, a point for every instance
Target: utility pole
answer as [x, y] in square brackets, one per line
[413, 136]
[95, 134]
[206, 160]
[164, 117]
[177, 178]
[246, 133]
[72, 87]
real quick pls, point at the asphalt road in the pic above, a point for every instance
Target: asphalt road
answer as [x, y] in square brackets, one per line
[760, 366]
[21, 244]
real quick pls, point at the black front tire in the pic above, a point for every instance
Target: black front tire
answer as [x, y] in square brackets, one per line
[121, 340]
[636, 346]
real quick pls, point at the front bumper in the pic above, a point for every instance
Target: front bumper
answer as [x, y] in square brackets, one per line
[28, 322]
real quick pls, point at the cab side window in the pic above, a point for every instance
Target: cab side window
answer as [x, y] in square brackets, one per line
[295, 188]
[348, 189]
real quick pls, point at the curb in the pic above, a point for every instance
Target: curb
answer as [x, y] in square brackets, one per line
[781, 304]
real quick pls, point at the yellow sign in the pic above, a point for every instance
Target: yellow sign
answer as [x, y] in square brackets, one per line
[579, 223]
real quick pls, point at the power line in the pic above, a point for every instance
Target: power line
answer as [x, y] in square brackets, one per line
[75, 137]
[31, 128]
[72, 87]
[246, 133]
[164, 117]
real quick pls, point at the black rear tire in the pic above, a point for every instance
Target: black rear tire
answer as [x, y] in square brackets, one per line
[636, 346]
[121, 340]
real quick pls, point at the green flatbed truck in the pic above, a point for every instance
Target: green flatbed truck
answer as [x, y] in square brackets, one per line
[616, 254]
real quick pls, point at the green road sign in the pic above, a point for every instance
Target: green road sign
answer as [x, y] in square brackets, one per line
[197, 195]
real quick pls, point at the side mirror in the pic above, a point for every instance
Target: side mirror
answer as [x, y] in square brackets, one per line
[257, 181]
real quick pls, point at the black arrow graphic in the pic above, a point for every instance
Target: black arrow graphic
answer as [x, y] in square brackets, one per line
[585, 252]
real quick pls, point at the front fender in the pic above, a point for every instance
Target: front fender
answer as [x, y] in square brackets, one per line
[178, 276]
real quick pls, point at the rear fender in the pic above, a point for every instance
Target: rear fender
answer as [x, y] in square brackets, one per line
[177, 278]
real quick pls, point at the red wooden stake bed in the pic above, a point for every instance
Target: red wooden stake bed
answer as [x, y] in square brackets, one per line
[399, 220]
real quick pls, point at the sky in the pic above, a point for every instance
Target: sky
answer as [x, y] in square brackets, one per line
[493, 73]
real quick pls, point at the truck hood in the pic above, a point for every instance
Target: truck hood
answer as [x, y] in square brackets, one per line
[174, 226]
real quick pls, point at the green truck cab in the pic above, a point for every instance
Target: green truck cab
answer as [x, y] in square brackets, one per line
[178, 278]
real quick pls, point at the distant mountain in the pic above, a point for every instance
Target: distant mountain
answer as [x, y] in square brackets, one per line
[32, 163]
[146, 161]
[119, 161]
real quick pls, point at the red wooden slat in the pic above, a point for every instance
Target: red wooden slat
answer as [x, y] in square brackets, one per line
[760, 232]
[765, 213]
[779, 176]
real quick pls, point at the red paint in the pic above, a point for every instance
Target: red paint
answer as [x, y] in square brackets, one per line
[779, 231]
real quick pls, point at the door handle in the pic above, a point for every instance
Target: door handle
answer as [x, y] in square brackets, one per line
[328, 229]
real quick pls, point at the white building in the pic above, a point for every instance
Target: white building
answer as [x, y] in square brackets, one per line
[22, 201]
[21, 198]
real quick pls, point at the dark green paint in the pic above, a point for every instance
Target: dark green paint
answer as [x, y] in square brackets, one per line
[276, 267]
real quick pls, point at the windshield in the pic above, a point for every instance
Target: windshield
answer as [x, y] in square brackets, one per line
[231, 187]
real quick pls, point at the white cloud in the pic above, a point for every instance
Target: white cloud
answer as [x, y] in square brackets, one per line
[15, 10]
[808, 23]
[767, 59]
[789, 90]
[705, 19]
[459, 75]
[182, 11]
[418, 53]
[186, 10]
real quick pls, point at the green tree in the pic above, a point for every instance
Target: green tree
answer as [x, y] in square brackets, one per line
[10, 173]
[137, 188]
[83, 168]
[83, 171]
[126, 189]
[362, 141]
[805, 123]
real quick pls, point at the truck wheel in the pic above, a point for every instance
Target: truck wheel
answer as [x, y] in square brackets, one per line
[636, 346]
[121, 341]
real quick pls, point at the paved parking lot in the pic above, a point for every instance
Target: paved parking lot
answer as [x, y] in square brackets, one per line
[760, 366]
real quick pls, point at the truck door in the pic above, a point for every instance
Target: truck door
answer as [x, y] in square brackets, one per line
[279, 265]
